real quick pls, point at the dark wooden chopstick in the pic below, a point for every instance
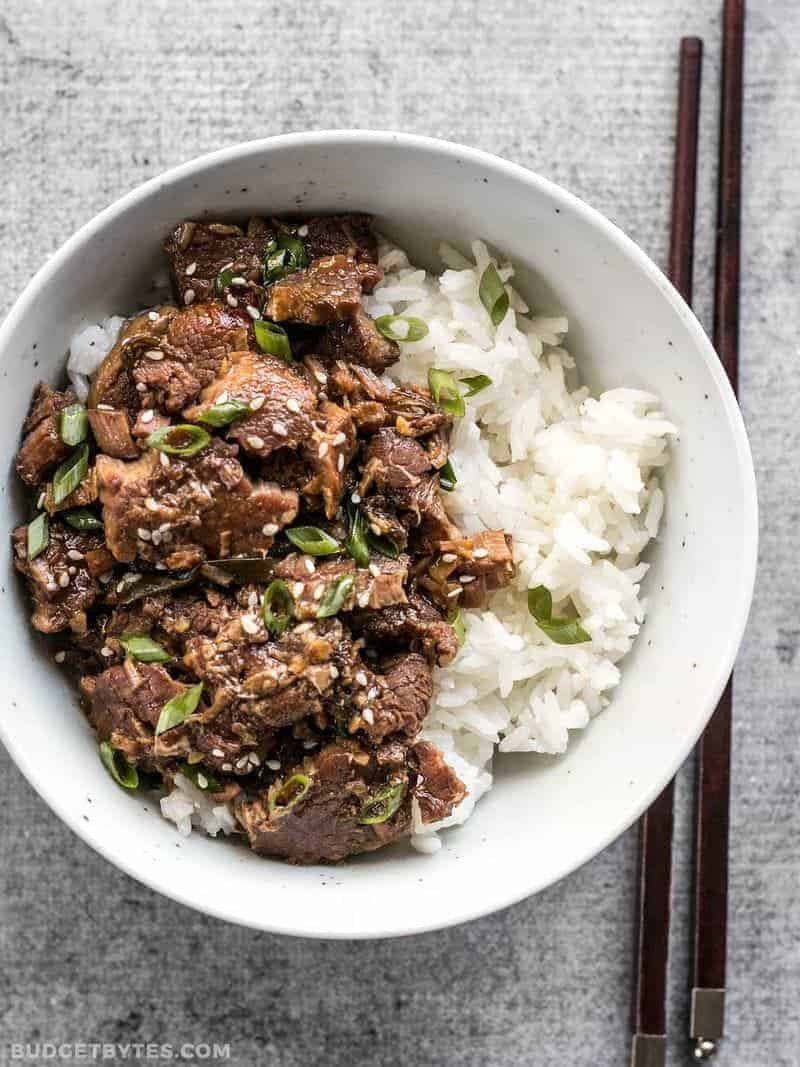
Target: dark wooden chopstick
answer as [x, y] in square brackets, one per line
[655, 864]
[711, 844]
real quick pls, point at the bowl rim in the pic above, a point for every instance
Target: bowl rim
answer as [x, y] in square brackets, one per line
[737, 623]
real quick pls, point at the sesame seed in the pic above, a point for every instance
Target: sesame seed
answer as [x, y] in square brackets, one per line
[309, 564]
[120, 587]
[308, 745]
[156, 537]
[222, 398]
[41, 500]
[75, 554]
[63, 580]
[323, 450]
[51, 587]
[72, 571]
[153, 316]
[155, 354]
[340, 463]
[333, 671]
[356, 498]
[232, 301]
[132, 578]
[241, 763]
[147, 416]
[106, 651]
[480, 553]
[151, 504]
[163, 459]
[257, 402]
[188, 297]
[273, 764]
[269, 529]
[254, 313]
[373, 693]
[255, 441]
[361, 678]
[202, 781]
[255, 759]
[190, 270]
[368, 716]
[252, 600]
[144, 534]
[363, 599]
[297, 589]
[453, 592]
[293, 405]
[217, 752]
[161, 566]
[375, 528]
[319, 590]
[302, 231]
[321, 377]
[227, 766]
[238, 280]
[249, 624]
[340, 438]
[449, 557]
[60, 657]
[374, 570]
[141, 387]
[104, 407]
[465, 579]
[279, 428]
[166, 536]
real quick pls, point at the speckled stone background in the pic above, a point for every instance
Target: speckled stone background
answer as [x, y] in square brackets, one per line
[97, 96]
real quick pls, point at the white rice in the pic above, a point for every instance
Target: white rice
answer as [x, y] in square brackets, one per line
[573, 478]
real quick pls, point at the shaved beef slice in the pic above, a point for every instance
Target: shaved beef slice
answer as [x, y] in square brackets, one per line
[42, 448]
[375, 587]
[112, 383]
[438, 789]
[329, 452]
[329, 290]
[416, 624]
[112, 432]
[357, 340]
[200, 251]
[350, 235]
[483, 564]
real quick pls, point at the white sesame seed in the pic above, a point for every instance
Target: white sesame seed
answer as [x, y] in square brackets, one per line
[322, 451]
[41, 500]
[141, 387]
[308, 563]
[155, 354]
[72, 571]
[238, 280]
[63, 580]
[232, 301]
[480, 553]
[60, 657]
[132, 578]
[340, 463]
[254, 441]
[356, 498]
[151, 504]
[333, 671]
[361, 678]
[255, 759]
[51, 587]
[302, 231]
[375, 528]
[147, 416]
[340, 438]
[253, 312]
[106, 651]
[153, 316]
[105, 407]
[465, 579]
[293, 405]
[190, 270]
[273, 764]
[257, 402]
[279, 428]
[308, 745]
[269, 529]
[163, 459]
[166, 536]
[297, 589]
[75, 554]
[217, 752]
[368, 716]
[453, 592]
[249, 624]
[304, 627]
[252, 600]
[120, 587]
[241, 763]
[318, 593]
[363, 599]
[449, 557]
[373, 693]
[227, 766]
[156, 537]
[321, 377]
[188, 297]
[144, 534]
[374, 570]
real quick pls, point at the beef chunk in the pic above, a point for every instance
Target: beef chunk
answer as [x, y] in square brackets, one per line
[329, 290]
[112, 383]
[80, 497]
[405, 688]
[437, 789]
[42, 448]
[349, 235]
[200, 251]
[112, 432]
[480, 564]
[421, 506]
[328, 453]
[416, 624]
[357, 340]
[375, 587]
[174, 618]
[181, 511]
[392, 461]
[62, 580]
[381, 517]
[283, 401]
[345, 783]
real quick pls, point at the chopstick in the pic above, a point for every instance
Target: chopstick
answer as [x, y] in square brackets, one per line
[655, 862]
[711, 843]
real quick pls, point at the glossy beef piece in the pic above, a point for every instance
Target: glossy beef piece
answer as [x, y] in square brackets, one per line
[405, 691]
[421, 506]
[416, 624]
[112, 384]
[373, 405]
[175, 617]
[357, 340]
[438, 789]
[62, 581]
[345, 782]
[310, 579]
[200, 251]
[284, 404]
[328, 453]
[329, 290]
[480, 565]
[380, 514]
[179, 512]
[112, 433]
[393, 462]
[83, 495]
[42, 448]
[349, 235]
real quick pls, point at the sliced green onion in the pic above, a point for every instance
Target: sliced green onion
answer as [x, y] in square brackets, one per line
[313, 540]
[182, 440]
[384, 546]
[289, 793]
[144, 648]
[561, 630]
[415, 329]
[223, 280]
[118, 767]
[493, 294]
[283, 255]
[476, 384]
[445, 391]
[38, 535]
[356, 542]
[457, 622]
[278, 607]
[199, 775]
[179, 708]
[73, 424]
[83, 519]
[224, 414]
[70, 474]
[334, 599]
[447, 477]
[382, 805]
[273, 339]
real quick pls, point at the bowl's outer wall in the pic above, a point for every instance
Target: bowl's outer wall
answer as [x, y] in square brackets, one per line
[544, 817]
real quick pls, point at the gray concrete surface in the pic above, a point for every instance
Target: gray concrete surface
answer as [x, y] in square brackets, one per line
[95, 97]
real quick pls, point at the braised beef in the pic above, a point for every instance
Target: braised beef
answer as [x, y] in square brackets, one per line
[416, 624]
[42, 448]
[329, 290]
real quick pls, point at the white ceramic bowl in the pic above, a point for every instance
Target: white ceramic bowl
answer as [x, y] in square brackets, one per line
[627, 326]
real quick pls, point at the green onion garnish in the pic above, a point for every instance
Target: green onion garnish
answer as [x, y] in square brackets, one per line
[283, 255]
[445, 391]
[178, 709]
[415, 329]
[313, 540]
[83, 519]
[382, 805]
[70, 474]
[38, 536]
[457, 622]
[199, 776]
[118, 767]
[273, 339]
[144, 648]
[356, 542]
[278, 607]
[562, 631]
[182, 440]
[223, 280]
[334, 599]
[476, 384]
[447, 477]
[289, 793]
[224, 414]
[73, 424]
[384, 546]
[493, 294]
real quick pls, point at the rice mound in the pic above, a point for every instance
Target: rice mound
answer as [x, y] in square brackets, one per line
[573, 478]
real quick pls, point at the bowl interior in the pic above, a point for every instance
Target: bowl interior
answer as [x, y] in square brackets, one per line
[627, 327]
